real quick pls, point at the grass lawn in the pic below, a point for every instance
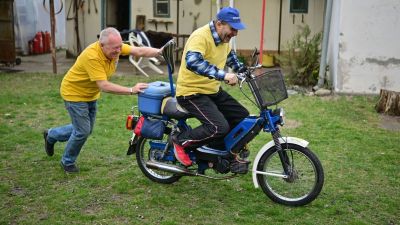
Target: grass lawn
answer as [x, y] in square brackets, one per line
[361, 162]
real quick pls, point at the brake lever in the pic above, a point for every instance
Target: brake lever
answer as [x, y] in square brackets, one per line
[242, 78]
[252, 68]
[241, 83]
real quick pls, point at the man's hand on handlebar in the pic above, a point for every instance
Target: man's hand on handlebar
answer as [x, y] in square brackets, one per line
[231, 79]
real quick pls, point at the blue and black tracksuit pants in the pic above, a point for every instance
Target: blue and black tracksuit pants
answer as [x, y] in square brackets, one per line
[218, 114]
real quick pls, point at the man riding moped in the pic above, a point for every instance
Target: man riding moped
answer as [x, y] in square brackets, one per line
[199, 91]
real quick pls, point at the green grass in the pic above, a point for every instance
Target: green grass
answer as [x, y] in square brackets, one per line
[361, 162]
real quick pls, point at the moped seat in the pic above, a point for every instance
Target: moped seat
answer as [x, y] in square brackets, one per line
[172, 109]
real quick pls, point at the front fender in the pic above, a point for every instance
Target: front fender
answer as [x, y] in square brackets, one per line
[290, 140]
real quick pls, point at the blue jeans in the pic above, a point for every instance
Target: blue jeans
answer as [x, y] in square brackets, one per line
[83, 116]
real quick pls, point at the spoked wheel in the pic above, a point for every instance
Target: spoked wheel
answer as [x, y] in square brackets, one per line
[145, 152]
[300, 185]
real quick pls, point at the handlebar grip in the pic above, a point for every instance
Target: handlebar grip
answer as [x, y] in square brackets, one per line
[241, 76]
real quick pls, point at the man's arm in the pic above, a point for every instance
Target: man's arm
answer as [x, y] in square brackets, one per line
[233, 62]
[197, 64]
[110, 87]
[145, 51]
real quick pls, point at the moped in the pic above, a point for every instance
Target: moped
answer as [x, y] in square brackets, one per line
[287, 171]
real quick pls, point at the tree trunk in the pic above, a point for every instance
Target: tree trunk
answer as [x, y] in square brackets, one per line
[389, 103]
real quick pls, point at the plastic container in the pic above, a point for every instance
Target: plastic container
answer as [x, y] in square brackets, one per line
[150, 100]
[268, 60]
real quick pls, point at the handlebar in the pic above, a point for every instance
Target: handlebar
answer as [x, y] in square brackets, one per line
[248, 72]
[168, 54]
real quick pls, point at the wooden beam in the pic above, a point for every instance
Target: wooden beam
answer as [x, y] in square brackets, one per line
[53, 39]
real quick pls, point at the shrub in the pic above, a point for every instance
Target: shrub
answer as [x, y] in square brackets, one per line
[301, 60]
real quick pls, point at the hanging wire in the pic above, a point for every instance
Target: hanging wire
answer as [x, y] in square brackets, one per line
[58, 12]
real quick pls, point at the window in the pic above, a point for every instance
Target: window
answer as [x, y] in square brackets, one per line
[161, 8]
[298, 6]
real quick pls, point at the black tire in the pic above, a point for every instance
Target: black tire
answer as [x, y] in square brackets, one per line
[143, 154]
[307, 176]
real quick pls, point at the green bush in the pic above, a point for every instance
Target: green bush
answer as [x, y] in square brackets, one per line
[301, 58]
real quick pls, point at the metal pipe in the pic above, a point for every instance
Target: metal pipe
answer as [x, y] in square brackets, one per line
[233, 40]
[276, 174]
[325, 38]
[169, 168]
[181, 170]
[262, 33]
[280, 27]
[177, 28]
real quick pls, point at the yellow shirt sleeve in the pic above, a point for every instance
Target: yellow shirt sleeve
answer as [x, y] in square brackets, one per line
[126, 49]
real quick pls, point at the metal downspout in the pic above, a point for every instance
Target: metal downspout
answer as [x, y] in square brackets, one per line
[325, 38]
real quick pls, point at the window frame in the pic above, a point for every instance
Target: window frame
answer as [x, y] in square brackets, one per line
[155, 8]
[294, 3]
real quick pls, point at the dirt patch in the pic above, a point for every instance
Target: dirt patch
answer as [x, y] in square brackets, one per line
[9, 70]
[291, 124]
[390, 122]
[18, 191]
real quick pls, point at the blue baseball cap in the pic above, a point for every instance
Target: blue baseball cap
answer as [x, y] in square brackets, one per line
[231, 16]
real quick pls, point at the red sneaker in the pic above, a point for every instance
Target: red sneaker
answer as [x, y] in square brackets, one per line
[181, 155]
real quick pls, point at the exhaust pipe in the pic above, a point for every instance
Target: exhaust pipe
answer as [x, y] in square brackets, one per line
[181, 170]
[169, 168]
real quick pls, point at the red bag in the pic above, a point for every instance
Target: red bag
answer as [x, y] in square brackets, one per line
[138, 126]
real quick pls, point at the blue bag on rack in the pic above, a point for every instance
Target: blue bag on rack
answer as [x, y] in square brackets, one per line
[150, 128]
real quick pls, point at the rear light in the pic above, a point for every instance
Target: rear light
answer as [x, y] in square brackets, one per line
[131, 121]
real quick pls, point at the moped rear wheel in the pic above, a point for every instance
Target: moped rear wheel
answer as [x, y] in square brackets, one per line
[303, 181]
[144, 153]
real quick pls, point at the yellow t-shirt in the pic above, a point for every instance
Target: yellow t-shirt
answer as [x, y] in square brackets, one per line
[79, 84]
[202, 41]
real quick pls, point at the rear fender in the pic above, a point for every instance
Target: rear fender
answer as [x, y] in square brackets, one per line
[289, 140]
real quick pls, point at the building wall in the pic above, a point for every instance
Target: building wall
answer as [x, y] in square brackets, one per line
[193, 14]
[250, 11]
[188, 11]
[368, 57]
[89, 25]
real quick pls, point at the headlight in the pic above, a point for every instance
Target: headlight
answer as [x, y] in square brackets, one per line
[281, 113]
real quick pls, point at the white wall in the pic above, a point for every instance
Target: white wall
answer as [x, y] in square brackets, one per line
[368, 46]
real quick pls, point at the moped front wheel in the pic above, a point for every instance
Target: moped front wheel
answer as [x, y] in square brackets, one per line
[145, 152]
[300, 184]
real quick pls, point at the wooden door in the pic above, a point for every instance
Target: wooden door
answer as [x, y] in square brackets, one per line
[7, 38]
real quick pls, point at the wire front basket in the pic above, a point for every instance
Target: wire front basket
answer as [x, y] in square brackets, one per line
[269, 88]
